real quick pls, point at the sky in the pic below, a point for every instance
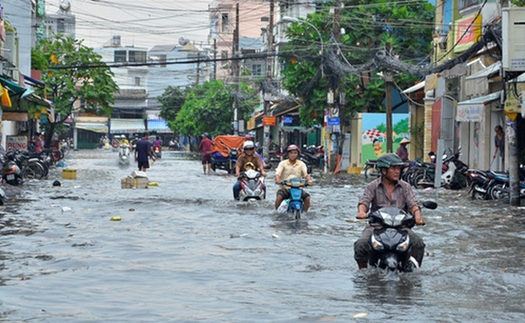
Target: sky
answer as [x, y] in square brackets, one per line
[141, 23]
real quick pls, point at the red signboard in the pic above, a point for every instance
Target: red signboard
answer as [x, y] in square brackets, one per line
[269, 121]
[16, 142]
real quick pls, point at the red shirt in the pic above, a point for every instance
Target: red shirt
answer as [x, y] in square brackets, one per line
[205, 145]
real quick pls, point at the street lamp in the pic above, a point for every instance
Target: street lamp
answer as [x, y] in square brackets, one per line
[325, 132]
[292, 19]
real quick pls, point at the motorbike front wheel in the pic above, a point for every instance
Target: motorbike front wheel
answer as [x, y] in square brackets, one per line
[371, 172]
[499, 192]
[34, 171]
[297, 214]
[479, 196]
[419, 179]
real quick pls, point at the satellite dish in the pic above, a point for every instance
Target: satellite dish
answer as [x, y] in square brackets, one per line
[183, 41]
[65, 5]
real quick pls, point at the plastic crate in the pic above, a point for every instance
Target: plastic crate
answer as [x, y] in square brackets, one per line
[130, 182]
[69, 173]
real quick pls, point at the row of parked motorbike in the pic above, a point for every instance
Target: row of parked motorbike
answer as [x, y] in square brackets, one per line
[454, 173]
[20, 164]
[483, 184]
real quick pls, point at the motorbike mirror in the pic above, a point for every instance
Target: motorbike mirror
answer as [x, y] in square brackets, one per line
[268, 166]
[430, 205]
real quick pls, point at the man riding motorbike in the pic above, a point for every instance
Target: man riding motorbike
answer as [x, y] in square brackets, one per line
[291, 168]
[247, 156]
[388, 190]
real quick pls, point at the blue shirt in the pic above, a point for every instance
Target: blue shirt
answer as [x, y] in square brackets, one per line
[142, 150]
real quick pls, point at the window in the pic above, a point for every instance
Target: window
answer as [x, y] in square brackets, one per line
[162, 60]
[225, 23]
[137, 81]
[256, 70]
[137, 56]
[463, 4]
[120, 56]
[61, 26]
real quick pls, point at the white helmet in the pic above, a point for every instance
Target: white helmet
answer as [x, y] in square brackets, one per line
[248, 145]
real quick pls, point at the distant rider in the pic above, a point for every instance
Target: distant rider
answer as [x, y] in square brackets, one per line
[288, 169]
[157, 143]
[388, 190]
[247, 156]
[124, 141]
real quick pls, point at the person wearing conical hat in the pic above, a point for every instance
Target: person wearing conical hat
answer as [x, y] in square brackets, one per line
[402, 151]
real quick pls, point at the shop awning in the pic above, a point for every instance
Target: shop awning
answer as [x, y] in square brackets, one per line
[14, 88]
[300, 129]
[92, 126]
[126, 125]
[158, 125]
[472, 110]
[487, 72]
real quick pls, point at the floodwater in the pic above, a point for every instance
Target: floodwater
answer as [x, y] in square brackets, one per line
[184, 251]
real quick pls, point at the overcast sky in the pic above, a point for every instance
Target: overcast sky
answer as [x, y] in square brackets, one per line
[142, 23]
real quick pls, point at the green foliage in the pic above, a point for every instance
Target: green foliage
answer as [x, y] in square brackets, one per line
[519, 3]
[172, 101]
[403, 29]
[71, 72]
[209, 108]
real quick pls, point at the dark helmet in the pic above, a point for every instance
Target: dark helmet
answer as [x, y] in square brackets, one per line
[207, 135]
[292, 147]
[389, 160]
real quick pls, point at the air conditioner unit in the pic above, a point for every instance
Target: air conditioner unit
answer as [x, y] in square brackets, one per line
[513, 23]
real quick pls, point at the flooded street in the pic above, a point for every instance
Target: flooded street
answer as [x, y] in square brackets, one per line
[185, 251]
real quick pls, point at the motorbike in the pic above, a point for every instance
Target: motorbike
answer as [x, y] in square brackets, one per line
[454, 174]
[157, 152]
[390, 245]
[218, 161]
[11, 171]
[124, 154]
[370, 169]
[295, 203]
[252, 186]
[479, 186]
[313, 155]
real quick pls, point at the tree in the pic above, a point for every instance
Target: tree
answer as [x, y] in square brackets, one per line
[208, 108]
[172, 101]
[399, 28]
[71, 72]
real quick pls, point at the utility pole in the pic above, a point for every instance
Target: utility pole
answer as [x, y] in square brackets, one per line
[235, 70]
[339, 92]
[266, 139]
[198, 69]
[215, 58]
[388, 84]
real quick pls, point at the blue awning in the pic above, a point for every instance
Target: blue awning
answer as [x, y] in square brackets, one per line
[33, 82]
[158, 125]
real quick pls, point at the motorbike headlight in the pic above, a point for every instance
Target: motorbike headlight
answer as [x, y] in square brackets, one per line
[403, 246]
[376, 245]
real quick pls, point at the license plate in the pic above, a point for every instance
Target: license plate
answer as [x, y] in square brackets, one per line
[10, 177]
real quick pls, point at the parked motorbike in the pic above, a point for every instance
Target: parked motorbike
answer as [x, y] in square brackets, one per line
[11, 171]
[218, 161]
[295, 203]
[124, 154]
[313, 155]
[390, 245]
[479, 184]
[252, 186]
[370, 169]
[454, 174]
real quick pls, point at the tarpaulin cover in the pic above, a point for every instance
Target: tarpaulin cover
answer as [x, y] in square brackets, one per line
[223, 144]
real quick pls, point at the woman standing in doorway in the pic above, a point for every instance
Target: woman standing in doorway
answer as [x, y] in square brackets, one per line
[499, 142]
